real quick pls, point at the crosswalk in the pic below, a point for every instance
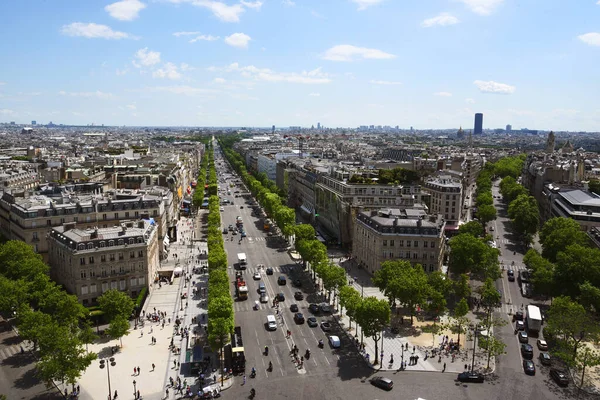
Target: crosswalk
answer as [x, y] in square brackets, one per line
[9, 351]
[250, 270]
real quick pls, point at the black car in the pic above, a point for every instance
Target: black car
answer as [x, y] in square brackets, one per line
[269, 271]
[299, 318]
[381, 382]
[559, 376]
[326, 326]
[511, 275]
[280, 296]
[545, 359]
[473, 377]
[314, 308]
[527, 351]
[298, 296]
[281, 280]
[294, 307]
[529, 367]
[523, 337]
[312, 322]
[518, 316]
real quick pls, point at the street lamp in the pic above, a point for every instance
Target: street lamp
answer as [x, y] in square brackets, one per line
[134, 391]
[111, 362]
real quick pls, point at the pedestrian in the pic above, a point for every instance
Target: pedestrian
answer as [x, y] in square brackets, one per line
[244, 380]
[178, 364]
[167, 392]
[138, 395]
[413, 349]
[444, 369]
[392, 359]
[175, 364]
[139, 370]
[78, 389]
[134, 371]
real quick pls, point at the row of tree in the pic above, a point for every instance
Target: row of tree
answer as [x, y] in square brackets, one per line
[522, 209]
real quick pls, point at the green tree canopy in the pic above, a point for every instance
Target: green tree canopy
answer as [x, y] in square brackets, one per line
[472, 228]
[304, 232]
[525, 215]
[469, 254]
[115, 303]
[372, 316]
[486, 213]
[574, 266]
[559, 233]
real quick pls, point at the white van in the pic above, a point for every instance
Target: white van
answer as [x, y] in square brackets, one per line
[271, 322]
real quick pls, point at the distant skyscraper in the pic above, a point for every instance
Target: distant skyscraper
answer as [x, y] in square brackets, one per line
[318, 125]
[509, 128]
[33, 122]
[273, 129]
[478, 124]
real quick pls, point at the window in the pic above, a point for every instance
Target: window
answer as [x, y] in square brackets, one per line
[91, 260]
[113, 284]
[83, 274]
[131, 240]
[424, 244]
[84, 290]
[126, 214]
[116, 215]
[104, 286]
[121, 256]
[121, 269]
[431, 267]
[141, 266]
[141, 253]
[416, 243]
[391, 254]
[102, 243]
[82, 261]
[34, 236]
[424, 256]
[415, 256]
[111, 243]
[112, 257]
[93, 288]
[92, 273]
[408, 243]
[407, 254]
[49, 222]
[132, 254]
[104, 217]
[121, 242]
[90, 246]
[385, 243]
[81, 246]
[141, 281]
[433, 245]
[133, 282]
[391, 243]
[137, 214]
[401, 243]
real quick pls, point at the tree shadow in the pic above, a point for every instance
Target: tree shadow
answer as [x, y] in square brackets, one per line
[27, 380]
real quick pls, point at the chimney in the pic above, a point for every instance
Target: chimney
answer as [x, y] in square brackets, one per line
[419, 222]
[69, 225]
[395, 221]
[94, 234]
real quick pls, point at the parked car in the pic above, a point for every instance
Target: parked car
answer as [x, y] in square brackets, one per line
[326, 326]
[520, 325]
[313, 308]
[529, 367]
[256, 276]
[545, 359]
[542, 345]
[298, 296]
[523, 337]
[527, 351]
[312, 322]
[473, 377]
[511, 275]
[559, 376]
[334, 341]
[381, 382]
[294, 307]
[325, 308]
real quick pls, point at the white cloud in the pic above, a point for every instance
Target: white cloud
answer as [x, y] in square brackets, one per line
[252, 4]
[208, 38]
[93, 31]
[6, 111]
[182, 90]
[443, 94]
[243, 96]
[186, 67]
[346, 52]
[169, 71]
[146, 58]
[494, 87]
[97, 94]
[222, 11]
[265, 74]
[238, 40]
[378, 82]
[125, 10]
[288, 3]
[469, 100]
[185, 33]
[482, 7]
[315, 94]
[444, 19]
[364, 4]
[592, 38]
[219, 80]
[131, 106]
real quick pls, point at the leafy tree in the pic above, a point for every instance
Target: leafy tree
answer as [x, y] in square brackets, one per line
[410, 287]
[574, 266]
[486, 213]
[220, 307]
[492, 346]
[115, 303]
[373, 315]
[524, 214]
[334, 278]
[588, 357]
[434, 329]
[86, 334]
[460, 318]
[118, 327]
[472, 228]
[18, 261]
[559, 233]
[438, 281]
[469, 254]
[350, 299]
[594, 186]
[542, 273]
[436, 303]
[484, 198]
[569, 324]
[462, 289]
[490, 296]
[590, 297]
[304, 232]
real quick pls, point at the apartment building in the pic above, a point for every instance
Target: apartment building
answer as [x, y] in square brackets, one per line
[88, 262]
[581, 206]
[405, 234]
[30, 218]
[446, 197]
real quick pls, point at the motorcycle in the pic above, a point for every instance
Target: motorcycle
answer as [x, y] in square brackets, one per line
[253, 373]
[252, 393]
[321, 344]
[270, 366]
[266, 350]
[307, 354]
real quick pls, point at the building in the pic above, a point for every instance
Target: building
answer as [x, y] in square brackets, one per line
[396, 234]
[318, 125]
[478, 130]
[581, 206]
[89, 262]
[446, 197]
[509, 128]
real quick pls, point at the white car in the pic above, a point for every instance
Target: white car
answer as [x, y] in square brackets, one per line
[221, 209]
[256, 276]
[334, 341]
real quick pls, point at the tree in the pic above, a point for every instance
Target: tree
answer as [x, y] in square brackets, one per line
[118, 327]
[590, 297]
[350, 299]
[436, 303]
[492, 346]
[559, 233]
[439, 282]
[383, 277]
[304, 232]
[373, 315]
[490, 296]
[18, 261]
[485, 198]
[115, 303]
[486, 213]
[472, 228]
[86, 334]
[462, 289]
[460, 318]
[334, 278]
[542, 273]
[410, 286]
[469, 254]
[524, 214]
[574, 266]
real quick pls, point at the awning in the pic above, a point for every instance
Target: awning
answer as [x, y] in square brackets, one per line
[166, 241]
[305, 209]
[237, 350]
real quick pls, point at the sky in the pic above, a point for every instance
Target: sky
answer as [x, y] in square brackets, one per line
[428, 64]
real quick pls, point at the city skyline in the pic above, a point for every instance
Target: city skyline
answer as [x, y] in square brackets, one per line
[342, 63]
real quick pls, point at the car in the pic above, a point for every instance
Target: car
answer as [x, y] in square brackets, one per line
[314, 308]
[529, 367]
[524, 276]
[225, 230]
[527, 351]
[294, 307]
[269, 271]
[334, 341]
[325, 308]
[281, 280]
[381, 382]
[492, 228]
[542, 344]
[264, 298]
[234, 232]
[299, 318]
[221, 209]
[269, 233]
[511, 275]
[243, 234]
[256, 276]
[297, 283]
[523, 337]
[545, 358]
[518, 316]
[280, 296]
[312, 322]
[520, 325]
[230, 227]
[470, 377]
[298, 296]
[559, 376]
[326, 326]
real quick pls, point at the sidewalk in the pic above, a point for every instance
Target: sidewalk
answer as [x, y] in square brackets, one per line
[420, 344]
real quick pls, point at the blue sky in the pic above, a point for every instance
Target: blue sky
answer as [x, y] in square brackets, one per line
[427, 64]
